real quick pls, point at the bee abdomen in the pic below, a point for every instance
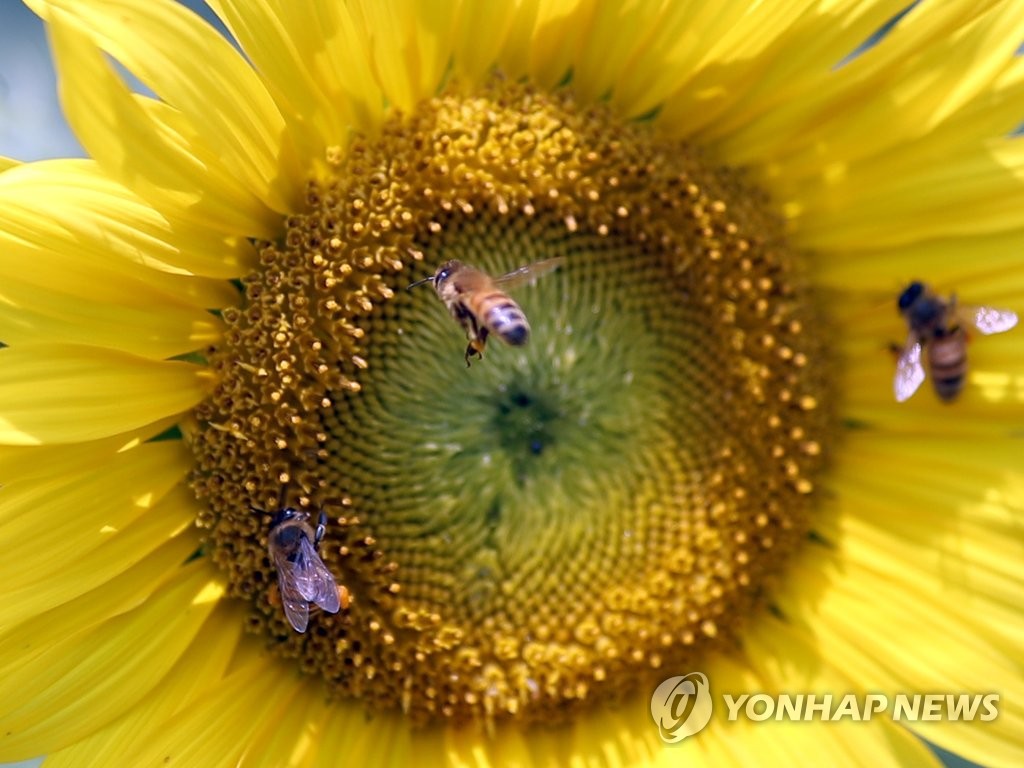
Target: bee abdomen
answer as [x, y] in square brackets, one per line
[948, 357]
[505, 319]
[948, 388]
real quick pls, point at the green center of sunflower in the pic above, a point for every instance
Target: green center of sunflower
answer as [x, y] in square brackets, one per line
[559, 520]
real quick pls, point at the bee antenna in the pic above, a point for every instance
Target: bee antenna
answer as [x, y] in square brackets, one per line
[410, 286]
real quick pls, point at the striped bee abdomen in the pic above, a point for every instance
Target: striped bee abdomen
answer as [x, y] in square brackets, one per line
[503, 317]
[947, 358]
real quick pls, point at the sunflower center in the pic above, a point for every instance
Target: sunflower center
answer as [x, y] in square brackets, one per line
[548, 526]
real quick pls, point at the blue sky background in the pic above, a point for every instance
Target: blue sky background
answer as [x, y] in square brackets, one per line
[31, 124]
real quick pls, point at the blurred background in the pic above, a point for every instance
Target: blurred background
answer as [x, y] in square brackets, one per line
[33, 128]
[31, 124]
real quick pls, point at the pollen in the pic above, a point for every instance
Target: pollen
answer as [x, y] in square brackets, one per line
[566, 519]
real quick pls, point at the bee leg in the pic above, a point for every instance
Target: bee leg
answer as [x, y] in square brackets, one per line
[321, 528]
[475, 347]
[470, 352]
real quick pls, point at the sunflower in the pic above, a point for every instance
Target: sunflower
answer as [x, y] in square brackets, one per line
[695, 463]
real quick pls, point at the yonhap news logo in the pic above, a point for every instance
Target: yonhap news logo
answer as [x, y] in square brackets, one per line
[827, 707]
[681, 706]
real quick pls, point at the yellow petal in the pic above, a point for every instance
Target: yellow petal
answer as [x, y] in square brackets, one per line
[747, 57]
[87, 502]
[170, 164]
[88, 570]
[195, 70]
[83, 205]
[84, 681]
[828, 142]
[513, 58]
[981, 584]
[58, 393]
[109, 279]
[813, 744]
[955, 537]
[799, 105]
[482, 31]
[90, 237]
[739, 62]
[314, 63]
[924, 415]
[616, 31]
[908, 643]
[22, 463]
[290, 732]
[99, 525]
[890, 201]
[991, 276]
[557, 35]
[200, 668]
[8, 162]
[342, 728]
[30, 314]
[409, 44]
[217, 728]
[123, 593]
[790, 662]
[992, 397]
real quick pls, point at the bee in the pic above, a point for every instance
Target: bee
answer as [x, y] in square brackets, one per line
[478, 303]
[937, 325]
[302, 577]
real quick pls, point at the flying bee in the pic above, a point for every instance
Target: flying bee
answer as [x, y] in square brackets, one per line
[479, 304]
[302, 577]
[937, 326]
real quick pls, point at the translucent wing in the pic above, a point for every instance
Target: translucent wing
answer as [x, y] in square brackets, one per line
[528, 273]
[312, 580]
[989, 320]
[909, 371]
[296, 607]
[471, 279]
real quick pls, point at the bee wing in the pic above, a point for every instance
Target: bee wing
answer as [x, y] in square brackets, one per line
[988, 319]
[471, 279]
[528, 273]
[327, 596]
[909, 371]
[312, 580]
[296, 607]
